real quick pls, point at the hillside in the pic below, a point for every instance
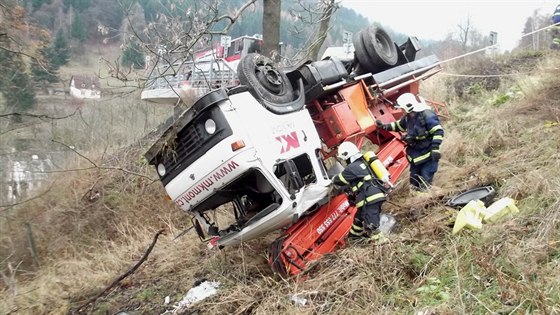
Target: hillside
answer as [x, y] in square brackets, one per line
[100, 222]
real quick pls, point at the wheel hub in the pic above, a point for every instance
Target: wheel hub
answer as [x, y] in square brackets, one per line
[270, 78]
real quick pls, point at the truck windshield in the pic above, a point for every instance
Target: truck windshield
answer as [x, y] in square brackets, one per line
[231, 207]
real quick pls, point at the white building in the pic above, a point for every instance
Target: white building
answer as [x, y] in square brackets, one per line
[85, 87]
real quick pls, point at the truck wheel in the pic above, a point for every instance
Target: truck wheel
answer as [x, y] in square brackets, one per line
[275, 259]
[379, 46]
[264, 81]
[365, 64]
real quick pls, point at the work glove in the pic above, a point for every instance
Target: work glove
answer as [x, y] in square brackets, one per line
[380, 125]
[436, 155]
[407, 139]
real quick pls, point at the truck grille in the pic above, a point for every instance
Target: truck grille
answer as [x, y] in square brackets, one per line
[191, 143]
[189, 140]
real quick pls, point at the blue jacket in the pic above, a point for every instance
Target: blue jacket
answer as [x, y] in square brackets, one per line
[424, 134]
[360, 179]
[556, 15]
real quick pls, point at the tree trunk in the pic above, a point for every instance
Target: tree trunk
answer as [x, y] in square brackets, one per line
[271, 28]
[328, 10]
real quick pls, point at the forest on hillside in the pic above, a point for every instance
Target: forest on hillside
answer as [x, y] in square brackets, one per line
[39, 37]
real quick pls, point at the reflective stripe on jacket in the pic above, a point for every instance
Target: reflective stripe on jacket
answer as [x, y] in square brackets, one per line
[359, 179]
[424, 132]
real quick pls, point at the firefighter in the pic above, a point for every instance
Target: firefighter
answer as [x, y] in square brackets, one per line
[556, 15]
[423, 137]
[366, 193]
[555, 30]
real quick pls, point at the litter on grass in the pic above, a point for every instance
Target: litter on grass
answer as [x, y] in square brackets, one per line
[200, 292]
[475, 213]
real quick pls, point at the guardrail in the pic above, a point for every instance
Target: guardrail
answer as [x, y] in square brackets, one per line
[209, 75]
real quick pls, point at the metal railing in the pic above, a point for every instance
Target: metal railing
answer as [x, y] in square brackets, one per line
[207, 75]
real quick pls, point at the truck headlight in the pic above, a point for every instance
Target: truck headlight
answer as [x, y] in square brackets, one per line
[161, 169]
[210, 126]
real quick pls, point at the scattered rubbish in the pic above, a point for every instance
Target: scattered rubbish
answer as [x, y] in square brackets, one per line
[499, 209]
[198, 293]
[386, 223]
[551, 123]
[298, 300]
[470, 216]
[167, 300]
[475, 213]
[485, 194]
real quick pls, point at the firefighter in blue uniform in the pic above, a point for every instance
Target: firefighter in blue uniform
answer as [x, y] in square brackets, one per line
[555, 30]
[423, 137]
[368, 196]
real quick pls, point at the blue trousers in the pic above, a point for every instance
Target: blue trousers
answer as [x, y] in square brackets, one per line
[421, 176]
[368, 217]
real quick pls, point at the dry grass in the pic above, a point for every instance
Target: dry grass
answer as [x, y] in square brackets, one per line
[509, 267]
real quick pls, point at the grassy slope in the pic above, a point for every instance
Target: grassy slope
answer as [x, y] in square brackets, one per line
[508, 267]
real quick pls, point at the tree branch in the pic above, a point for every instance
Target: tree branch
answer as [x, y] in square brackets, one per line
[94, 165]
[7, 207]
[18, 52]
[40, 116]
[75, 151]
[126, 274]
[233, 19]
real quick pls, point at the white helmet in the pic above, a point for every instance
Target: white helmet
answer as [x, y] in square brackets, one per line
[411, 103]
[347, 151]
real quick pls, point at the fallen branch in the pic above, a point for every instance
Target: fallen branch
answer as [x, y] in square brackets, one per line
[126, 274]
[9, 206]
[40, 116]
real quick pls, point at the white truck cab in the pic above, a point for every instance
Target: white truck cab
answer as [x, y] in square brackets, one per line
[233, 153]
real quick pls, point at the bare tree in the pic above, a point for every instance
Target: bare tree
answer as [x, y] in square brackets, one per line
[271, 27]
[327, 7]
[536, 40]
[464, 32]
[175, 36]
[314, 18]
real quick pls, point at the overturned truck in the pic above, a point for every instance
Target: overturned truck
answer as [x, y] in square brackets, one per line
[256, 153]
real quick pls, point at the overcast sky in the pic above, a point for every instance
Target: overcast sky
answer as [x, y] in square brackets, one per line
[434, 19]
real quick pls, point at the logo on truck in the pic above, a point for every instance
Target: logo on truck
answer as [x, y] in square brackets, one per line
[206, 183]
[288, 141]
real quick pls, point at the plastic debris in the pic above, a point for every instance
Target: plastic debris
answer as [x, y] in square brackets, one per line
[485, 194]
[386, 223]
[475, 213]
[469, 216]
[200, 292]
[499, 209]
[298, 300]
[167, 300]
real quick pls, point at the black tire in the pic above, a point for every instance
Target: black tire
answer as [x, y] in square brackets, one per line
[364, 61]
[274, 259]
[264, 81]
[380, 48]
